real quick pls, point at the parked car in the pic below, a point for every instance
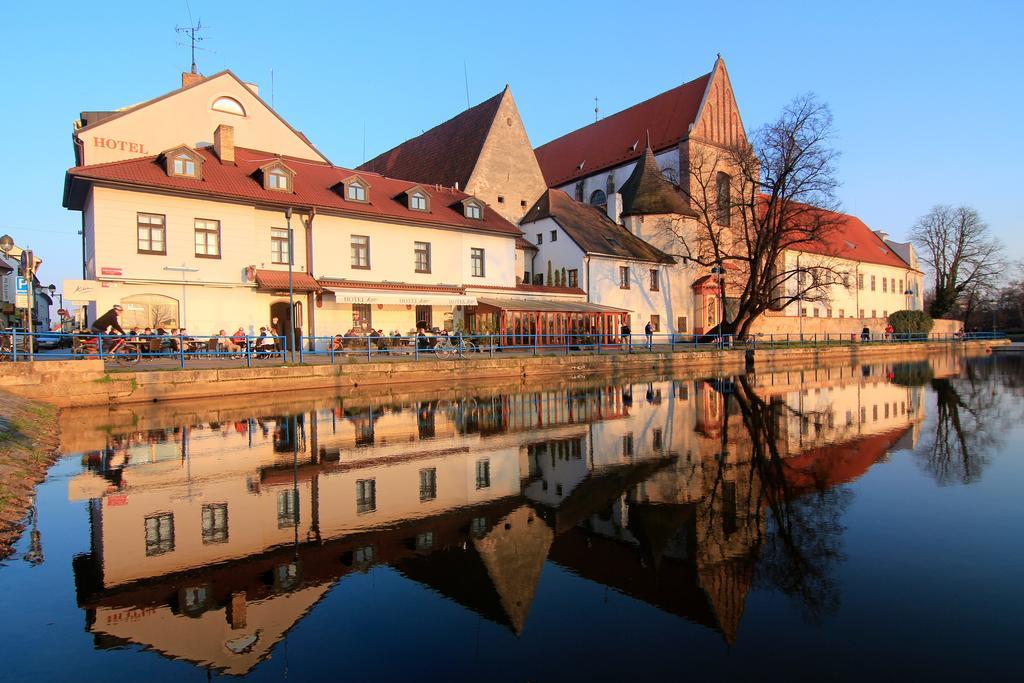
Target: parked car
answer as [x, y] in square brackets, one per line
[48, 340]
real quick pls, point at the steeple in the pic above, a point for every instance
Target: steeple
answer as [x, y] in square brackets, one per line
[648, 192]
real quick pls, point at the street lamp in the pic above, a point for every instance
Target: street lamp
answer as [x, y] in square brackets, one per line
[291, 285]
[719, 270]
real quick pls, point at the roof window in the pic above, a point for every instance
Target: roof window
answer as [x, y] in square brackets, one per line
[228, 105]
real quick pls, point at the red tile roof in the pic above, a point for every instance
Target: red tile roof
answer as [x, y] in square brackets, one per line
[314, 186]
[853, 240]
[522, 243]
[620, 138]
[277, 280]
[391, 286]
[444, 155]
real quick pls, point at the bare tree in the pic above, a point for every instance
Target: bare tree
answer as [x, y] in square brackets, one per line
[961, 254]
[759, 205]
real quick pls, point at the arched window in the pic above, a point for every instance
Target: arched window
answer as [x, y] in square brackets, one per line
[228, 105]
[723, 185]
[149, 310]
[598, 198]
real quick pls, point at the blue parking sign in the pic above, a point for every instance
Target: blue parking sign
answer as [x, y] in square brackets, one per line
[22, 286]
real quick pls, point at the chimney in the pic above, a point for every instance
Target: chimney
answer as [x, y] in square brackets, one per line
[883, 235]
[224, 144]
[190, 77]
[614, 207]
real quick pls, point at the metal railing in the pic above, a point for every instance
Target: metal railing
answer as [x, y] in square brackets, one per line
[162, 351]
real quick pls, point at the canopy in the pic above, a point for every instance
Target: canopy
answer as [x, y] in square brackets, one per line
[347, 295]
[549, 305]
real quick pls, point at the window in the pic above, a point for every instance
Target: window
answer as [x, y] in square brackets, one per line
[873, 313]
[428, 484]
[862, 312]
[598, 198]
[860, 281]
[885, 284]
[623, 277]
[149, 310]
[363, 555]
[656, 323]
[356, 191]
[627, 445]
[425, 315]
[207, 238]
[228, 105]
[474, 210]
[418, 201]
[477, 259]
[540, 238]
[215, 523]
[554, 235]
[184, 165]
[681, 323]
[287, 508]
[277, 179]
[885, 314]
[828, 312]
[501, 200]
[151, 234]
[361, 252]
[657, 440]
[425, 540]
[159, 534]
[422, 250]
[361, 316]
[842, 313]
[724, 197]
[478, 527]
[366, 495]
[654, 280]
[279, 251]
[483, 474]
[815, 312]
[901, 286]
[872, 283]
[574, 278]
[892, 285]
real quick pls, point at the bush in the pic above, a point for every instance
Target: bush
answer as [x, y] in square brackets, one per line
[917, 322]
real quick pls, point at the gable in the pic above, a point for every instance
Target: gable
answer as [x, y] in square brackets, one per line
[506, 175]
[718, 120]
[189, 114]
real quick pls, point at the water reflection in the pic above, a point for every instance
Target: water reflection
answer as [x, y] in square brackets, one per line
[212, 539]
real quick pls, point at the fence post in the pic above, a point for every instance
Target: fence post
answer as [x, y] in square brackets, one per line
[416, 346]
[14, 345]
[248, 351]
[534, 345]
[368, 351]
[332, 350]
[181, 350]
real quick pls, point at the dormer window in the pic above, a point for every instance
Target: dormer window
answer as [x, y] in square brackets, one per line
[473, 209]
[355, 189]
[182, 162]
[278, 177]
[418, 199]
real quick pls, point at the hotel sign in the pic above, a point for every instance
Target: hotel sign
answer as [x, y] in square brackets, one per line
[120, 145]
[405, 299]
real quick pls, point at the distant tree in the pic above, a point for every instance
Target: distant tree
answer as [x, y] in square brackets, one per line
[911, 322]
[550, 280]
[564, 276]
[961, 254]
[758, 203]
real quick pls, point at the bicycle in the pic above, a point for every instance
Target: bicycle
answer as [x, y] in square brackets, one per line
[123, 352]
[445, 348]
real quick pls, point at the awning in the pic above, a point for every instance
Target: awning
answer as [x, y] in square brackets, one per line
[277, 280]
[549, 306]
[347, 295]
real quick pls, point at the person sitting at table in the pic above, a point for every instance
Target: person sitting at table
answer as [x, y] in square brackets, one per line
[238, 340]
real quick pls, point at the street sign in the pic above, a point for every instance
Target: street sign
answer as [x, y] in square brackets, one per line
[21, 293]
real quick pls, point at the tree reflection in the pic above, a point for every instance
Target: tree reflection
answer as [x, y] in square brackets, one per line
[801, 538]
[967, 418]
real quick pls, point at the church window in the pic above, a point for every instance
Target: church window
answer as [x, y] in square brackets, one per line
[724, 197]
[598, 198]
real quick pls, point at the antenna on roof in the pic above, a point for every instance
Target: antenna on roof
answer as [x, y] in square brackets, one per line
[191, 31]
[271, 88]
[597, 110]
[465, 72]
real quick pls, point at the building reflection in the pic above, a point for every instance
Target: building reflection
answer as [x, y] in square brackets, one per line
[211, 539]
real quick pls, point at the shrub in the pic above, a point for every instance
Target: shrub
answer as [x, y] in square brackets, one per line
[904, 322]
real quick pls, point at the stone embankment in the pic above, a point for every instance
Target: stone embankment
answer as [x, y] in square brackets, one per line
[86, 382]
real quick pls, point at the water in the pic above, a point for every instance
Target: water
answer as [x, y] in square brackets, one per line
[830, 523]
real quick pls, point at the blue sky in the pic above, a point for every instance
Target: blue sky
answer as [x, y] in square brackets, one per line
[927, 97]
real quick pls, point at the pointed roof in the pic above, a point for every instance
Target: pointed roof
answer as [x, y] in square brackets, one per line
[591, 229]
[444, 155]
[647, 191]
[616, 139]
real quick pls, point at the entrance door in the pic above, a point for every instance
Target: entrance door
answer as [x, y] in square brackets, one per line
[280, 311]
[425, 316]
